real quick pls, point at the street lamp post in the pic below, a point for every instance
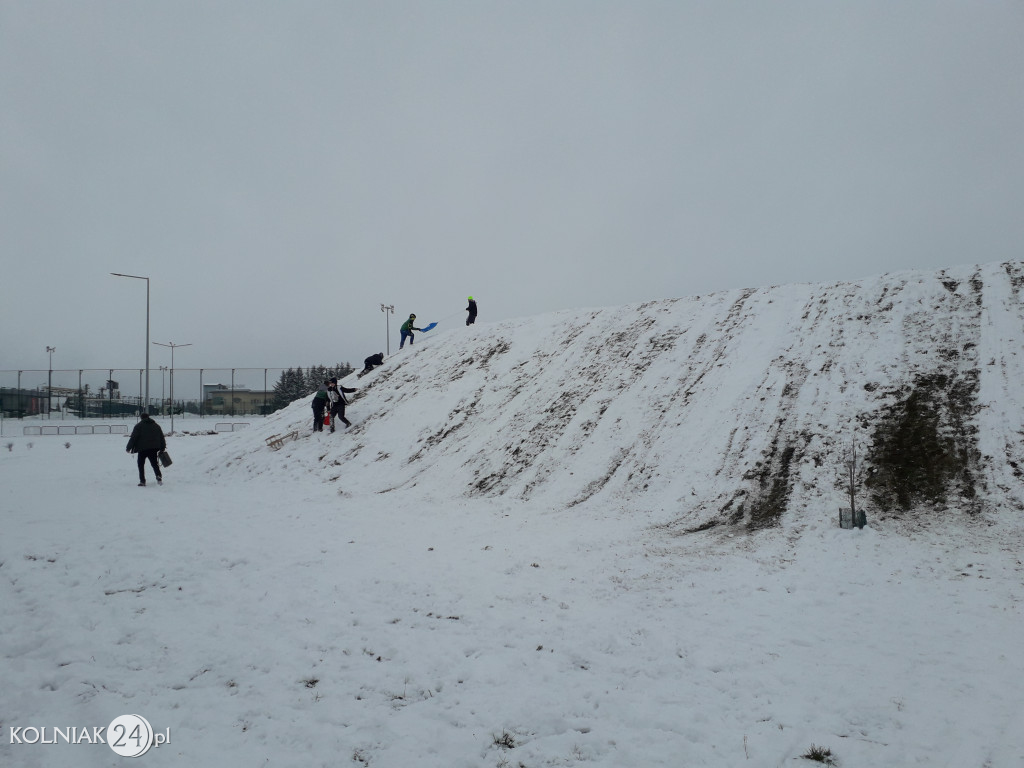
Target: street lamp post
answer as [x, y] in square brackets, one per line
[387, 308]
[49, 384]
[163, 386]
[172, 345]
[138, 277]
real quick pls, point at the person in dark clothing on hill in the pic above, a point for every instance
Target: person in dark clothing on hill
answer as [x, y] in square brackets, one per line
[371, 362]
[407, 328]
[336, 394]
[472, 311]
[147, 440]
[320, 402]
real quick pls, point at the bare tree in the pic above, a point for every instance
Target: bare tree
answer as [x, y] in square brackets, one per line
[851, 471]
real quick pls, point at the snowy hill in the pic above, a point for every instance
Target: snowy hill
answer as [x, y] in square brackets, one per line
[736, 409]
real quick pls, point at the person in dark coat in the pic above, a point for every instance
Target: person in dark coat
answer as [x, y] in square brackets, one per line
[336, 394]
[320, 403]
[147, 440]
[371, 362]
[472, 311]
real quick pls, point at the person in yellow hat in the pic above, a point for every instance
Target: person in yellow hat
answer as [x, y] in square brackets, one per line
[472, 311]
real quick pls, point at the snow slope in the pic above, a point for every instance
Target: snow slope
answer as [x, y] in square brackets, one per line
[595, 538]
[689, 410]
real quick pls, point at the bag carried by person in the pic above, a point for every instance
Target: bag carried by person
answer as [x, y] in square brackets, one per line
[165, 458]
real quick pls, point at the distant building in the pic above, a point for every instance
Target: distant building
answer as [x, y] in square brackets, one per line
[22, 402]
[236, 401]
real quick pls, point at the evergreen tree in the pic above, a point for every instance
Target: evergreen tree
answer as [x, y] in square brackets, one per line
[289, 388]
[315, 376]
[296, 383]
[341, 370]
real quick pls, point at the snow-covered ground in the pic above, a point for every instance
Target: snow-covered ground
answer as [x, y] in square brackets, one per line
[498, 564]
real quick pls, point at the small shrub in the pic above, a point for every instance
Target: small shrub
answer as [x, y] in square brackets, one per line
[505, 741]
[820, 755]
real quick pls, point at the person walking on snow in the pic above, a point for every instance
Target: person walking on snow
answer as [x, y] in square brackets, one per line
[147, 440]
[407, 329]
[319, 404]
[336, 394]
[472, 311]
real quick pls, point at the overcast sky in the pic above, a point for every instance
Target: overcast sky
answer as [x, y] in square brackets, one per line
[280, 169]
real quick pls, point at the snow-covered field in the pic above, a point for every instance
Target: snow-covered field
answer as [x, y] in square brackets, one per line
[492, 567]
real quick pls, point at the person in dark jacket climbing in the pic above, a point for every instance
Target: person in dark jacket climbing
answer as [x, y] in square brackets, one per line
[147, 440]
[407, 328]
[320, 403]
[472, 311]
[371, 362]
[336, 393]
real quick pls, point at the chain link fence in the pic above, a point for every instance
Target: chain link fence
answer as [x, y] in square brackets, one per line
[103, 393]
